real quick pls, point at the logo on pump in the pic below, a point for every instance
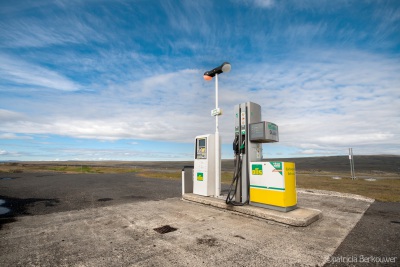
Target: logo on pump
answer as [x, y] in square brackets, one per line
[277, 166]
[256, 169]
[199, 176]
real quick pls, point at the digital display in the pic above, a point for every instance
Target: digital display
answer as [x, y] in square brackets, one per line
[202, 142]
[201, 148]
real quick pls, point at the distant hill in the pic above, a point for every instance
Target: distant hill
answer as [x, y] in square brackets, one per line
[375, 163]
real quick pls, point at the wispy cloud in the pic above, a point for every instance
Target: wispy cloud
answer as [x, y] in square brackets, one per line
[320, 104]
[27, 74]
[9, 154]
[50, 26]
[115, 70]
[328, 102]
[13, 136]
[258, 3]
[153, 108]
[10, 116]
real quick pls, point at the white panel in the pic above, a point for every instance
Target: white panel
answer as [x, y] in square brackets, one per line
[267, 176]
[205, 168]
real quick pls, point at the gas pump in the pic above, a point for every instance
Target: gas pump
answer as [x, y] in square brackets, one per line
[265, 184]
[255, 182]
[245, 152]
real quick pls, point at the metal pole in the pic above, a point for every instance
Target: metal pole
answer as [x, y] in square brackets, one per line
[351, 157]
[216, 103]
[217, 146]
[183, 181]
[352, 161]
[351, 168]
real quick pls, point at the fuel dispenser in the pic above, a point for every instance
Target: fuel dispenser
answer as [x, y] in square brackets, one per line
[265, 184]
[255, 182]
[204, 165]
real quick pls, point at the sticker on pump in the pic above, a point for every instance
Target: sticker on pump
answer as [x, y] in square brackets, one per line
[243, 118]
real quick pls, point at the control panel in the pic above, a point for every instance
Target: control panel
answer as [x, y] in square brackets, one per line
[204, 165]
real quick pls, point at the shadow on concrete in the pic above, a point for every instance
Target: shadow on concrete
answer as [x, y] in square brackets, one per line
[14, 207]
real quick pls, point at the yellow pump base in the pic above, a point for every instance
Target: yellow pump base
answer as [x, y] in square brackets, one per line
[273, 185]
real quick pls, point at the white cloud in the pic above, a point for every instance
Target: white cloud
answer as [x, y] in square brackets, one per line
[8, 154]
[10, 116]
[112, 154]
[310, 146]
[163, 107]
[58, 27]
[356, 139]
[259, 3]
[328, 102]
[13, 136]
[308, 152]
[27, 74]
[322, 104]
[264, 3]
[86, 72]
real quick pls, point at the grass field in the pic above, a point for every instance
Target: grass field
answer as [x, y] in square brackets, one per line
[384, 187]
[23, 167]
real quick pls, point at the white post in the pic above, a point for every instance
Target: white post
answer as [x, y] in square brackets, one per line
[216, 103]
[351, 168]
[352, 164]
[217, 146]
[351, 157]
[183, 181]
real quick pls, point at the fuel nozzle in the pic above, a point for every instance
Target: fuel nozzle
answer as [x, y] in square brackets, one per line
[235, 145]
[242, 147]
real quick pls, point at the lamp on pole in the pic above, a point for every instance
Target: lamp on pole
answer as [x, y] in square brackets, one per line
[208, 75]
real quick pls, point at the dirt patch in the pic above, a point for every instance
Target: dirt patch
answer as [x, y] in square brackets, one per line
[207, 240]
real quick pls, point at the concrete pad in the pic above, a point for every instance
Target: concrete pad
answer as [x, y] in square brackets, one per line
[298, 217]
[123, 235]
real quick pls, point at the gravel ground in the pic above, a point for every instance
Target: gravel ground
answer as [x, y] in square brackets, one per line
[374, 239]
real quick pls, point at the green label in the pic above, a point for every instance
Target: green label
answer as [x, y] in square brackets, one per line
[256, 169]
[272, 126]
[277, 165]
[199, 176]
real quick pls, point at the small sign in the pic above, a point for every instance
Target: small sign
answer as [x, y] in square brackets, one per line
[216, 112]
[200, 176]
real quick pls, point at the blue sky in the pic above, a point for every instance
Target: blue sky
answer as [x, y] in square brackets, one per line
[123, 79]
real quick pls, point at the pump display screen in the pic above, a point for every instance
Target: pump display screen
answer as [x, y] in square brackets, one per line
[201, 148]
[202, 142]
